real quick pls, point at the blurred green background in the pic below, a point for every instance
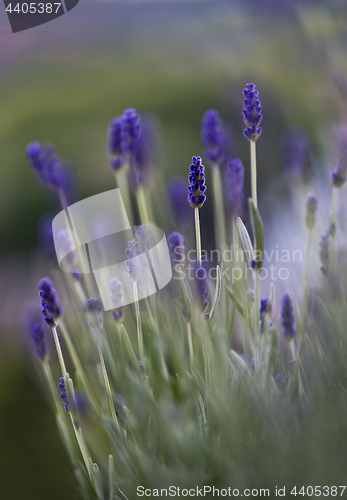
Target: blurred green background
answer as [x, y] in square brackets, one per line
[63, 82]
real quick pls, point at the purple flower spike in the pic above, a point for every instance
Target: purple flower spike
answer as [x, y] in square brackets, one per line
[288, 318]
[176, 247]
[115, 144]
[145, 152]
[251, 113]
[213, 137]
[235, 175]
[39, 339]
[132, 251]
[51, 307]
[63, 395]
[197, 188]
[46, 164]
[130, 130]
[338, 175]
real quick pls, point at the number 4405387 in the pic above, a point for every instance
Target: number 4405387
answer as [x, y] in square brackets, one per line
[33, 8]
[317, 491]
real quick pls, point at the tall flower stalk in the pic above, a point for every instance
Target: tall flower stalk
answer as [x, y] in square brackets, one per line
[213, 141]
[196, 197]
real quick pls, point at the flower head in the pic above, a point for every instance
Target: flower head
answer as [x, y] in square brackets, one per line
[39, 339]
[288, 318]
[132, 251]
[176, 247]
[115, 144]
[117, 298]
[63, 395]
[95, 320]
[197, 188]
[130, 130]
[338, 175]
[235, 174]
[251, 113]
[311, 209]
[46, 164]
[145, 152]
[324, 253]
[213, 137]
[265, 308]
[51, 307]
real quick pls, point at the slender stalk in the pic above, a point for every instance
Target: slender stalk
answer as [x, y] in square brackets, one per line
[108, 389]
[218, 209]
[190, 344]
[198, 237]
[254, 172]
[333, 208]
[141, 202]
[305, 277]
[121, 178]
[78, 432]
[59, 352]
[138, 321]
[78, 366]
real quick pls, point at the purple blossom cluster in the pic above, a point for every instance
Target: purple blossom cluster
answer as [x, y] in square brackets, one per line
[51, 307]
[251, 113]
[196, 188]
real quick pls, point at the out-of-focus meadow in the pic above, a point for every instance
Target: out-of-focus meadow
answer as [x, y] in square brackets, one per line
[64, 81]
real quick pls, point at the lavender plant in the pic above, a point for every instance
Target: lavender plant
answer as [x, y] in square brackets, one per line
[190, 391]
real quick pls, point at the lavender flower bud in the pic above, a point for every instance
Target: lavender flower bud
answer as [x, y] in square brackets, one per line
[324, 253]
[46, 164]
[311, 209]
[39, 339]
[63, 395]
[296, 155]
[117, 159]
[251, 113]
[132, 251]
[213, 137]
[281, 381]
[95, 320]
[288, 318]
[197, 188]
[235, 175]
[338, 175]
[130, 130]
[145, 152]
[265, 308]
[177, 196]
[117, 299]
[51, 307]
[176, 247]
[185, 311]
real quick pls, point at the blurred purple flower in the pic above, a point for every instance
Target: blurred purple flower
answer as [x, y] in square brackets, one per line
[235, 175]
[296, 153]
[213, 137]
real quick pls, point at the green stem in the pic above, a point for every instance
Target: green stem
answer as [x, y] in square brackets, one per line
[141, 202]
[59, 352]
[190, 344]
[108, 390]
[218, 209]
[333, 208]
[121, 178]
[78, 366]
[254, 172]
[138, 322]
[198, 237]
[78, 432]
